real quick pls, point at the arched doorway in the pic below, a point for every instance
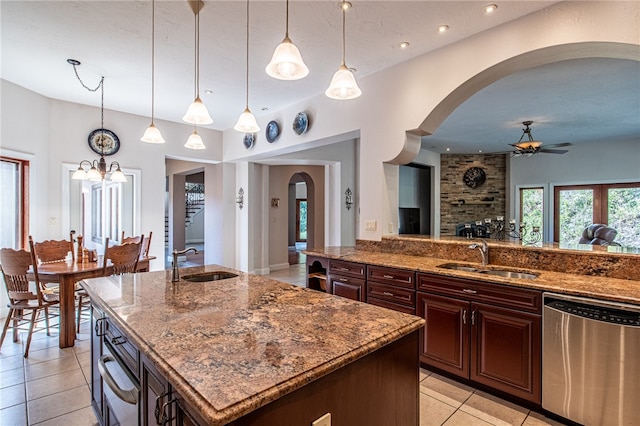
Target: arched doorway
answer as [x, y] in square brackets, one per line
[298, 219]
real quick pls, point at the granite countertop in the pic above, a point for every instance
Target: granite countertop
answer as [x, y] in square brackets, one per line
[232, 346]
[615, 289]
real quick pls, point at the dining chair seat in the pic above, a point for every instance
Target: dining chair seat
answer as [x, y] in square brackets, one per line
[26, 301]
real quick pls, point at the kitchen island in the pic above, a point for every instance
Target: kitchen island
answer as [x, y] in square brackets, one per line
[252, 350]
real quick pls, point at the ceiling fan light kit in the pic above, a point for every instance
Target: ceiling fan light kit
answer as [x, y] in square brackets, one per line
[530, 146]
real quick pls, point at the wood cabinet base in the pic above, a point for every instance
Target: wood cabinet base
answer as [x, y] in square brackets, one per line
[380, 389]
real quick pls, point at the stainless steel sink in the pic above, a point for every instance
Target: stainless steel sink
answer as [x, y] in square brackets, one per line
[499, 272]
[458, 267]
[209, 276]
[509, 274]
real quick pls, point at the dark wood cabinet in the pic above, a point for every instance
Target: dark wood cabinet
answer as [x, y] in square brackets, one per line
[506, 350]
[347, 279]
[445, 338]
[497, 344]
[156, 395]
[391, 288]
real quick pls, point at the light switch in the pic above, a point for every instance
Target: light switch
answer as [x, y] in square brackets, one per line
[371, 225]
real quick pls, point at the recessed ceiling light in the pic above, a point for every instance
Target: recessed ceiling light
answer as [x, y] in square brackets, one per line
[443, 28]
[490, 8]
[479, 150]
[404, 44]
[448, 149]
[208, 92]
[345, 5]
[265, 108]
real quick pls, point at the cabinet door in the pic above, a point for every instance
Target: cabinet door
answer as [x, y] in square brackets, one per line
[505, 349]
[155, 393]
[444, 342]
[351, 288]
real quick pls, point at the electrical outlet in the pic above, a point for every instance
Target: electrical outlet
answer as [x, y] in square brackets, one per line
[371, 225]
[323, 421]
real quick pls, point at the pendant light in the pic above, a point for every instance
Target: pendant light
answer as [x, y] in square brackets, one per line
[247, 122]
[197, 112]
[343, 84]
[287, 63]
[194, 141]
[152, 134]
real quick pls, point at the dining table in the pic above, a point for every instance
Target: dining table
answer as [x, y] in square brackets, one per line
[67, 274]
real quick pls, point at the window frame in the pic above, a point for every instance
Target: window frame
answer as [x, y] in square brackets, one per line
[24, 167]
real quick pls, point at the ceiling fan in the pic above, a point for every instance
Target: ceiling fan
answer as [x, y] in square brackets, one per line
[530, 146]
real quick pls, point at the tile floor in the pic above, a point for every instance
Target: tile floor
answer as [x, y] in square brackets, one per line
[51, 387]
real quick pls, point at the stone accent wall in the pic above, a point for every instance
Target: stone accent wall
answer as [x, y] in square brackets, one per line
[460, 203]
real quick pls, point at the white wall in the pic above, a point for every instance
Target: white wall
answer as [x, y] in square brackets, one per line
[56, 133]
[399, 99]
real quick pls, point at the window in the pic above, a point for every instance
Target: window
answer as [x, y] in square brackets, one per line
[532, 208]
[615, 205]
[14, 198]
[106, 211]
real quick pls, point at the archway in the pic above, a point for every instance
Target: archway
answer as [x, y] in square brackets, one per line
[521, 62]
[301, 216]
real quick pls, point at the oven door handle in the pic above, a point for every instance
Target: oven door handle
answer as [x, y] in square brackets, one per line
[130, 395]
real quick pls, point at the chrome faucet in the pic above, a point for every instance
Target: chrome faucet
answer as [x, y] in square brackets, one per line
[175, 274]
[484, 251]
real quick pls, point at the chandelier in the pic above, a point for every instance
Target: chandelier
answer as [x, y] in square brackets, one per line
[102, 139]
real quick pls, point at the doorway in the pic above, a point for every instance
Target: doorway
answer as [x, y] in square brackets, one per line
[298, 219]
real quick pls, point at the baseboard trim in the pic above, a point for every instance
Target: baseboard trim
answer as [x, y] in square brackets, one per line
[279, 266]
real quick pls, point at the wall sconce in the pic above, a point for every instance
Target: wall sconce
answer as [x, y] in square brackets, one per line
[240, 198]
[275, 202]
[348, 198]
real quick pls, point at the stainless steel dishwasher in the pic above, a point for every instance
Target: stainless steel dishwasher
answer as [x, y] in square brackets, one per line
[591, 360]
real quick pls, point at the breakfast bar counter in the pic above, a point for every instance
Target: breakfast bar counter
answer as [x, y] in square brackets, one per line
[232, 346]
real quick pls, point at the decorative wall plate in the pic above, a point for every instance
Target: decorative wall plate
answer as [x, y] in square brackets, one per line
[103, 142]
[249, 140]
[273, 131]
[300, 123]
[474, 177]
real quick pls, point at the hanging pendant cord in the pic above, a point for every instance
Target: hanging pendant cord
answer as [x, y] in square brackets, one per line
[247, 79]
[100, 85]
[153, 58]
[343, 36]
[286, 32]
[198, 51]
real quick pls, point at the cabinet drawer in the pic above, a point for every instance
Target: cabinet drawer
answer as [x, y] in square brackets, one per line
[503, 295]
[124, 348]
[349, 287]
[393, 276]
[349, 268]
[392, 294]
[389, 305]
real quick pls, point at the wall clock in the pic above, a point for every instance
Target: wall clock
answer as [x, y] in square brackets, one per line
[103, 142]
[474, 177]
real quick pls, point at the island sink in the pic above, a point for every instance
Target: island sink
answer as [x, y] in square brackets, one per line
[499, 272]
[209, 276]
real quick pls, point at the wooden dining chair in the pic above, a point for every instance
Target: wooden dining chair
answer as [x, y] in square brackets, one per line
[15, 265]
[122, 259]
[146, 244]
[133, 239]
[50, 251]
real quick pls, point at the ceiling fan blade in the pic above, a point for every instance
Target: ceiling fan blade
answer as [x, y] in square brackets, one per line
[554, 151]
[558, 145]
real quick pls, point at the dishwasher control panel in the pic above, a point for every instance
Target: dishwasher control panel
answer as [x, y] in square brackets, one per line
[611, 315]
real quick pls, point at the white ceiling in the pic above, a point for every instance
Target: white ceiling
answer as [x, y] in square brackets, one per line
[113, 38]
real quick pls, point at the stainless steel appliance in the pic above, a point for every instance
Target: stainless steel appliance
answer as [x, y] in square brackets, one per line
[591, 360]
[121, 390]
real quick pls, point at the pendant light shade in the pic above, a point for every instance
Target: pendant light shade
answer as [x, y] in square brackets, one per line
[152, 134]
[197, 112]
[194, 141]
[287, 63]
[343, 84]
[247, 122]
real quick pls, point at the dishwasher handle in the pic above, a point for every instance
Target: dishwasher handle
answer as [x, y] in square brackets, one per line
[127, 395]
